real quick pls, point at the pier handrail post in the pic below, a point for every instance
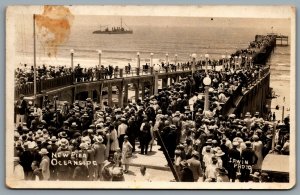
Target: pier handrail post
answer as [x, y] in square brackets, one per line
[223, 62]
[121, 73]
[228, 61]
[72, 64]
[194, 63]
[151, 70]
[175, 60]
[206, 62]
[206, 82]
[138, 62]
[156, 69]
[151, 59]
[168, 158]
[251, 62]
[99, 55]
[235, 62]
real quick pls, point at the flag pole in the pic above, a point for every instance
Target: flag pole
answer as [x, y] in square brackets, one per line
[34, 59]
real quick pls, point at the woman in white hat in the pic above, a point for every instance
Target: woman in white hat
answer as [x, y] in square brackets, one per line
[219, 155]
[258, 149]
[45, 164]
[126, 153]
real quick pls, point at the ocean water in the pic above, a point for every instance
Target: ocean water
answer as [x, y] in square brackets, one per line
[280, 81]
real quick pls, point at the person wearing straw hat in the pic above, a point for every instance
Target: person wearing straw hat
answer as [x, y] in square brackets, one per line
[106, 171]
[219, 154]
[258, 149]
[18, 173]
[45, 164]
[222, 175]
[21, 109]
[122, 130]
[126, 153]
[211, 170]
[248, 120]
[63, 154]
[186, 174]
[195, 165]
[100, 149]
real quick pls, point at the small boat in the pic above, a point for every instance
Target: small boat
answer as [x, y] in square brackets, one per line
[114, 30]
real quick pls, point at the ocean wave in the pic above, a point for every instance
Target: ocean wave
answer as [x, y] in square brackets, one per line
[280, 68]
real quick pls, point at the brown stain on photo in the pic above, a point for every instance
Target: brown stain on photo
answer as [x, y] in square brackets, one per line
[54, 27]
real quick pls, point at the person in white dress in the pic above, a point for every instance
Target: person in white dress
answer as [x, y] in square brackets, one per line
[257, 147]
[126, 153]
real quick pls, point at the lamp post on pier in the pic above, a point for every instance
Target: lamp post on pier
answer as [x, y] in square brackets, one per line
[72, 58]
[138, 63]
[72, 66]
[194, 63]
[228, 62]
[151, 59]
[223, 61]
[251, 62]
[156, 69]
[206, 82]
[175, 60]
[167, 59]
[235, 62]
[240, 61]
[206, 62]
[100, 54]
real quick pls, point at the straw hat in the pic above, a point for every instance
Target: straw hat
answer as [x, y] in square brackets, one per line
[64, 142]
[53, 139]
[196, 154]
[248, 114]
[43, 151]
[220, 153]
[209, 141]
[222, 171]
[98, 139]
[177, 113]
[255, 137]
[83, 146]
[106, 163]
[16, 159]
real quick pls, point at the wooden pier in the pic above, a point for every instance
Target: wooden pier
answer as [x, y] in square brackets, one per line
[241, 101]
[282, 40]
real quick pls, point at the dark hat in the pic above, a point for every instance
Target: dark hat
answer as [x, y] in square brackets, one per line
[209, 141]
[222, 171]
[63, 134]
[184, 163]
[248, 144]
[196, 154]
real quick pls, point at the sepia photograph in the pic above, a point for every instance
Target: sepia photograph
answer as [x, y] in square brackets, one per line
[150, 97]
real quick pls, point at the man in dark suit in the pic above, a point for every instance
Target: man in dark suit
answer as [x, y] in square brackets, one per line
[186, 173]
[248, 160]
[195, 165]
[21, 109]
[234, 157]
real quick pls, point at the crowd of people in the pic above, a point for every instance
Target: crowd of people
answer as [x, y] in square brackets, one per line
[75, 142]
[89, 142]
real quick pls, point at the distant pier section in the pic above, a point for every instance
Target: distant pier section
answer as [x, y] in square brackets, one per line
[281, 40]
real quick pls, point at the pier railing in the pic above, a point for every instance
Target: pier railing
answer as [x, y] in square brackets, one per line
[230, 103]
[27, 89]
